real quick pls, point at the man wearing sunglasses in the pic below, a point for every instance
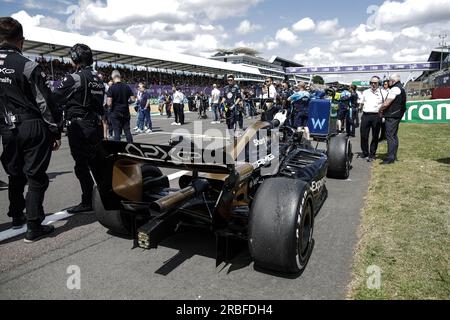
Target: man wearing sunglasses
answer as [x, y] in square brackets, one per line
[372, 100]
[232, 97]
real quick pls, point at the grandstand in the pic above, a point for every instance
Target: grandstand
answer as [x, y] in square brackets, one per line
[51, 47]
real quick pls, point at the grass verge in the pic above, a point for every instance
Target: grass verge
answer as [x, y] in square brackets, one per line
[405, 229]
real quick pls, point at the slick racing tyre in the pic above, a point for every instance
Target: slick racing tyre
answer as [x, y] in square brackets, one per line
[118, 221]
[113, 220]
[339, 157]
[281, 226]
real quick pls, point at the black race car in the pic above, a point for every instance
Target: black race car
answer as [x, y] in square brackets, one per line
[265, 190]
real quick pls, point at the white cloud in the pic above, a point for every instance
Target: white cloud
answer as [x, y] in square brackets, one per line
[287, 36]
[247, 27]
[219, 9]
[242, 44]
[365, 52]
[37, 21]
[364, 35]
[305, 24]
[412, 32]
[411, 12]
[327, 27]
[316, 57]
[272, 45]
[412, 55]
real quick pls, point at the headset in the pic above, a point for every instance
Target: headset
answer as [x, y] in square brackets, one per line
[81, 53]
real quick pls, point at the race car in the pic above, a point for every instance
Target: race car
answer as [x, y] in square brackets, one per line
[264, 190]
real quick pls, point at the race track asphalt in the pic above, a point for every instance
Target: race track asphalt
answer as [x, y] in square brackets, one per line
[183, 267]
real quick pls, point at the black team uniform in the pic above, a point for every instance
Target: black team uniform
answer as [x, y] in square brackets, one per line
[83, 94]
[29, 127]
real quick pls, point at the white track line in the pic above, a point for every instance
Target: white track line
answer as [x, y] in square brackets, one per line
[188, 135]
[11, 233]
[177, 175]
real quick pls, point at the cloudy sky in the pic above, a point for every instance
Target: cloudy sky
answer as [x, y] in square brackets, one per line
[315, 33]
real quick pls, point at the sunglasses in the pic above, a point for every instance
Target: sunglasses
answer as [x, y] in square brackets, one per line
[374, 83]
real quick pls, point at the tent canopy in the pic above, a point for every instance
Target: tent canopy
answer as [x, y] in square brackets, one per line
[47, 42]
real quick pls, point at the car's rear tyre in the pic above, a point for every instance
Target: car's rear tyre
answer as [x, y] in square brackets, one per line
[339, 157]
[281, 226]
[114, 220]
[119, 222]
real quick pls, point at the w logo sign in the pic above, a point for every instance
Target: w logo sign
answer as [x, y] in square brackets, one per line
[318, 123]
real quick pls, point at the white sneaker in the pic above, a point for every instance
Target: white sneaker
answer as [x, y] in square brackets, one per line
[145, 128]
[149, 131]
[139, 131]
[135, 128]
[178, 124]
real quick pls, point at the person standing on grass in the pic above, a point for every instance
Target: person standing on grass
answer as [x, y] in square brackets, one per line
[372, 100]
[393, 110]
[385, 93]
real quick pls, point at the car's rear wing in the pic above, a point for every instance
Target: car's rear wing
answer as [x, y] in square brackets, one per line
[321, 122]
[181, 156]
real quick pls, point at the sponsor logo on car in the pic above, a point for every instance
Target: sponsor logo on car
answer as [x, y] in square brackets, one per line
[262, 162]
[317, 185]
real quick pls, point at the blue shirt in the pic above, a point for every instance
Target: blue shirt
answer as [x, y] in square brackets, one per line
[143, 99]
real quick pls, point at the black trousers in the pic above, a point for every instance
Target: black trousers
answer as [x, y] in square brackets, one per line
[168, 110]
[84, 139]
[234, 117]
[25, 158]
[370, 122]
[350, 123]
[392, 126]
[178, 110]
[121, 122]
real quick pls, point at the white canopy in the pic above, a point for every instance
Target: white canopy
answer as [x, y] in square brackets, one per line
[43, 41]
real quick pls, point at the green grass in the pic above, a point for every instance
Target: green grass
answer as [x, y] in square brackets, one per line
[405, 227]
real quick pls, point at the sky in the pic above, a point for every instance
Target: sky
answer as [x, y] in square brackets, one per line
[314, 33]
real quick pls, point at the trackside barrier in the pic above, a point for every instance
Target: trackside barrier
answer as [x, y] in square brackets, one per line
[427, 111]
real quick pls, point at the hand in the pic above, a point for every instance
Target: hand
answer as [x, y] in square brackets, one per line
[56, 145]
[281, 116]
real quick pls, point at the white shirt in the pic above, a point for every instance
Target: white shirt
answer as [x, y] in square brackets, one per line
[394, 92]
[385, 93]
[178, 97]
[106, 94]
[372, 101]
[272, 92]
[359, 93]
[215, 96]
